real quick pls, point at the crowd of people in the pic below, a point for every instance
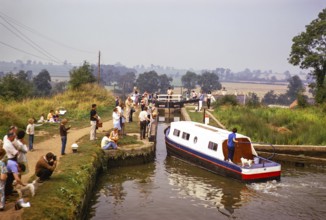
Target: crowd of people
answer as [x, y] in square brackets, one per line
[14, 164]
[123, 114]
[13, 148]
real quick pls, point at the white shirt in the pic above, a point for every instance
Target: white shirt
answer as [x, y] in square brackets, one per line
[115, 117]
[119, 109]
[9, 148]
[143, 116]
[30, 129]
[22, 148]
[105, 141]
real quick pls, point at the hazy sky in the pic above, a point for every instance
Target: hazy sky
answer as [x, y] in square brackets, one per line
[199, 34]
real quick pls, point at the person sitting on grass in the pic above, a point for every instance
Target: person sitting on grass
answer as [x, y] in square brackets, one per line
[45, 167]
[110, 140]
[50, 116]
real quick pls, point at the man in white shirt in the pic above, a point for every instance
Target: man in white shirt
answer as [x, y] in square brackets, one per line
[8, 146]
[12, 129]
[143, 118]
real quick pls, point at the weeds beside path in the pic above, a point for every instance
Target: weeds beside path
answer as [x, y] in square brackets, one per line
[53, 144]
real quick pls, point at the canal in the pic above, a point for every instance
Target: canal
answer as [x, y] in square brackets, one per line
[169, 189]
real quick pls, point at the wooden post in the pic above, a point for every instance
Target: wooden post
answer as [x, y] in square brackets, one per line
[204, 116]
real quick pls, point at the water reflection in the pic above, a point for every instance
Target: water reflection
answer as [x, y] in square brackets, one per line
[172, 189]
[115, 186]
[215, 191]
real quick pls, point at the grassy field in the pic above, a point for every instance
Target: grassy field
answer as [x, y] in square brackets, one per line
[245, 88]
[276, 125]
[77, 103]
[259, 89]
[273, 125]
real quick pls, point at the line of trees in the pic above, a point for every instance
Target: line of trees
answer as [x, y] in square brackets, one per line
[208, 81]
[147, 81]
[23, 85]
[295, 91]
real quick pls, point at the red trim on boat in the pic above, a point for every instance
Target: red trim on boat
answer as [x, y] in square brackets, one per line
[261, 175]
[216, 164]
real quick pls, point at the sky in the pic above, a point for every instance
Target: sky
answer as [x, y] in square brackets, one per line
[197, 34]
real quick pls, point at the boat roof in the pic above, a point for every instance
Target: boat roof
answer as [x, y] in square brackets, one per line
[202, 129]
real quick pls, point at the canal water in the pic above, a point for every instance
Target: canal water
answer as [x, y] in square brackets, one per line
[170, 189]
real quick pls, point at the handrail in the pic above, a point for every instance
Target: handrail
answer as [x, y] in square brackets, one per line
[166, 97]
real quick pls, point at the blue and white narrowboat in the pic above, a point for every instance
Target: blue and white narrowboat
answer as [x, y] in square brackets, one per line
[206, 146]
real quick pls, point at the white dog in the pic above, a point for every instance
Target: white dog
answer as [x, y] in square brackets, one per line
[246, 161]
[31, 187]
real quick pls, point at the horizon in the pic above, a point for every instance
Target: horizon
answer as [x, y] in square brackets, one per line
[187, 35]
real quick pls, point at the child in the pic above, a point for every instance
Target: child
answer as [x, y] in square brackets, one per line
[30, 132]
[63, 134]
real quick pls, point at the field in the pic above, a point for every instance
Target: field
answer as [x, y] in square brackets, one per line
[245, 87]
[258, 88]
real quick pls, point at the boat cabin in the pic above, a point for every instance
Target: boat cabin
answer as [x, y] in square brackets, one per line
[210, 140]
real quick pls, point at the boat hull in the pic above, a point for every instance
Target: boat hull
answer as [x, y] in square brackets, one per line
[220, 167]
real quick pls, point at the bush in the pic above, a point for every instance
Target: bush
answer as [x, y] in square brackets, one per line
[226, 100]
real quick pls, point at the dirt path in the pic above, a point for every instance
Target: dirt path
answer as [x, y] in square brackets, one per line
[53, 144]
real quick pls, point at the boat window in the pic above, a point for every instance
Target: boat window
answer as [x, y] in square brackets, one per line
[185, 136]
[195, 140]
[176, 132]
[212, 146]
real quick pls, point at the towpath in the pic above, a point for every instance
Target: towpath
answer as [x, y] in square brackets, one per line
[53, 144]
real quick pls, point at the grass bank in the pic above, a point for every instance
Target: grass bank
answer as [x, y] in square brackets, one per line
[77, 103]
[198, 116]
[275, 125]
[63, 197]
[59, 197]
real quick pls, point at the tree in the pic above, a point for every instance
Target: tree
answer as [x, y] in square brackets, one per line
[42, 85]
[294, 88]
[283, 99]
[302, 100]
[126, 82]
[309, 52]
[209, 82]
[253, 100]
[269, 98]
[81, 75]
[227, 100]
[12, 87]
[59, 87]
[189, 80]
[148, 81]
[164, 83]
[22, 75]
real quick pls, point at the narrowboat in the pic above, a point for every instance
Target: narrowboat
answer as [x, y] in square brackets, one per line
[206, 146]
